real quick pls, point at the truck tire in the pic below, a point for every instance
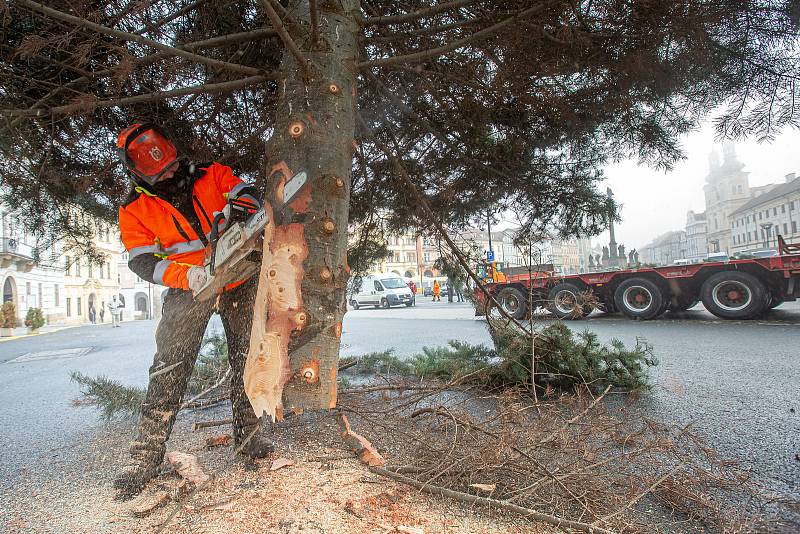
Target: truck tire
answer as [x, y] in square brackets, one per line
[639, 298]
[734, 295]
[513, 302]
[565, 301]
[385, 304]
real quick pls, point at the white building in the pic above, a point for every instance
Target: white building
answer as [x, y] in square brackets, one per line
[665, 249]
[727, 188]
[775, 211]
[142, 299]
[696, 236]
[90, 284]
[30, 272]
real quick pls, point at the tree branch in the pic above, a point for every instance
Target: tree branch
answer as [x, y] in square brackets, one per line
[438, 51]
[314, 14]
[396, 19]
[77, 21]
[503, 505]
[286, 38]
[149, 97]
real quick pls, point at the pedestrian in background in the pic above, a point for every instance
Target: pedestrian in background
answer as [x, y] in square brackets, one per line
[92, 314]
[113, 308]
[102, 311]
[437, 291]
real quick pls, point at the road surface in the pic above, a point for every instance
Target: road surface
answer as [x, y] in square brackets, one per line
[737, 381]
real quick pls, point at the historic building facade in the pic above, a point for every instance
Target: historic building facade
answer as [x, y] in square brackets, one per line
[665, 249]
[90, 284]
[756, 224]
[696, 236]
[726, 189]
[30, 272]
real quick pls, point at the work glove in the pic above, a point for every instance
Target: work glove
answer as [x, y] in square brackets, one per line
[196, 276]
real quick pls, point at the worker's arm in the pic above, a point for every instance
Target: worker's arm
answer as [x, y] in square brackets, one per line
[240, 194]
[146, 258]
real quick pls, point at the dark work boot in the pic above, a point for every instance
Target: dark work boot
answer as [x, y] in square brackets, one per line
[251, 442]
[132, 479]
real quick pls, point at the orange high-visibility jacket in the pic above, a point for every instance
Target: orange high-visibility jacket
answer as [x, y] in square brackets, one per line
[162, 244]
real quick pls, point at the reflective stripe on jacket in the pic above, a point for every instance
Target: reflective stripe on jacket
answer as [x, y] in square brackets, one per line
[162, 244]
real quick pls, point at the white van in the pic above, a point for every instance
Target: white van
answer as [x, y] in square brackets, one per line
[382, 291]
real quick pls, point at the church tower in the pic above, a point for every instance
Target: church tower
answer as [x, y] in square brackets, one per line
[727, 188]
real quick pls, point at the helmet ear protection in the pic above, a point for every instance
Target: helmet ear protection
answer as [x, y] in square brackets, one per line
[146, 151]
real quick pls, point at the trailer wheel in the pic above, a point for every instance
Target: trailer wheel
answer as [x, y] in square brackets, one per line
[734, 295]
[639, 298]
[513, 302]
[565, 301]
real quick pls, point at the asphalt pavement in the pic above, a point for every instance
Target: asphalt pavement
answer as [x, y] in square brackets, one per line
[737, 382]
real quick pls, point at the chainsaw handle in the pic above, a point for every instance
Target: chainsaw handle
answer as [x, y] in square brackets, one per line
[214, 235]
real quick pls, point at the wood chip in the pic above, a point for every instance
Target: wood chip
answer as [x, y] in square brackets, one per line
[409, 530]
[361, 446]
[484, 487]
[145, 505]
[187, 466]
[279, 463]
[219, 440]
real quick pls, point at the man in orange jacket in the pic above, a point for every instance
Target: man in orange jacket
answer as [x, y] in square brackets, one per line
[165, 226]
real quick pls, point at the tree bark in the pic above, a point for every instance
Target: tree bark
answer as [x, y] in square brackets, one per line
[297, 321]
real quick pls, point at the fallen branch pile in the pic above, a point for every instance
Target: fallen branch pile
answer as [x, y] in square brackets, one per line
[569, 460]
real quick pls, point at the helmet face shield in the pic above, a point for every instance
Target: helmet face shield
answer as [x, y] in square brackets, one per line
[146, 152]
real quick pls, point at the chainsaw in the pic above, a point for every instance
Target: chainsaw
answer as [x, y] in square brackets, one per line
[234, 253]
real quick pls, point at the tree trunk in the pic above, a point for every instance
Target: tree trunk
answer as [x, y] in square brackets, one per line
[297, 321]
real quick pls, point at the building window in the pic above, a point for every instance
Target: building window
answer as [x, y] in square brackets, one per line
[77, 267]
[91, 270]
[774, 211]
[79, 307]
[55, 295]
[783, 208]
[67, 266]
[40, 303]
[794, 227]
[27, 288]
[760, 216]
[791, 205]
[108, 271]
[785, 229]
[69, 306]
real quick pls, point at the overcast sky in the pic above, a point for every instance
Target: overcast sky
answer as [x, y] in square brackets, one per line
[655, 202]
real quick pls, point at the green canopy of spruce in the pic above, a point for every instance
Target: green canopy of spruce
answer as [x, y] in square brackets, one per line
[564, 359]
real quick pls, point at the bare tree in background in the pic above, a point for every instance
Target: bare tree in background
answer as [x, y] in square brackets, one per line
[486, 105]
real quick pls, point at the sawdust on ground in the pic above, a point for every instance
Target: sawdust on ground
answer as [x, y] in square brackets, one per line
[326, 491]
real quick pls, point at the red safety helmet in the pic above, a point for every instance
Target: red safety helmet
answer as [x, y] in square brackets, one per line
[145, 151]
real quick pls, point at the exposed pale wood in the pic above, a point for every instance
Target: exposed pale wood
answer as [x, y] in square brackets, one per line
[366, 452]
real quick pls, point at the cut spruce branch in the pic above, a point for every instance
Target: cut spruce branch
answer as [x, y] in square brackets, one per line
[409, 17]
[438, 51]
[277, 23]
[149, 97]
[492, 503]
[83, 23]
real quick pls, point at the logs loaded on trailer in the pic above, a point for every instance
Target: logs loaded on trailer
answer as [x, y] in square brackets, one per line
[735, 289]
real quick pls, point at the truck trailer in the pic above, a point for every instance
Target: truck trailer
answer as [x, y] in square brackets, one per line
[732, 289]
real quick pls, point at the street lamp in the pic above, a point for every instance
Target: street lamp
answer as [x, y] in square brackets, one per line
[766, 227]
